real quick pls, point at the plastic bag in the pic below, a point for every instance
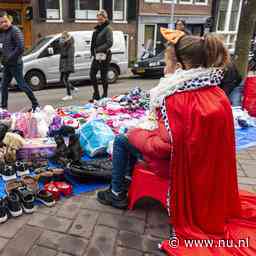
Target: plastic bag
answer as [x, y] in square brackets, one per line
[95, 137]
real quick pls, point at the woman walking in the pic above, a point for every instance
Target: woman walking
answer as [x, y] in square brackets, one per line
[102, 41]
[67, 52]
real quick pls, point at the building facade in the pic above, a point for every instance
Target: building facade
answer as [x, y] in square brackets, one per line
[154, 14]
[227, 17]
[55, 16]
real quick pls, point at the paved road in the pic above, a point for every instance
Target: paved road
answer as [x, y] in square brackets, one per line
[53, 95]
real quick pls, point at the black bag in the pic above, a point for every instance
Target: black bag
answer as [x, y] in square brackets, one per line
[3, 130]
[96, 168]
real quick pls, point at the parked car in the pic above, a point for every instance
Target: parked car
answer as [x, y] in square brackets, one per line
[41, 62]
[150, 67]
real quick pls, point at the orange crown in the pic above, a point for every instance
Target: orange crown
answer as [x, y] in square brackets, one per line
[171, 35]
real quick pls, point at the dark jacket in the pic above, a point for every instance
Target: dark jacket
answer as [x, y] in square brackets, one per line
[102, 39]
[11, 46]
[67, 52]
[231, 79]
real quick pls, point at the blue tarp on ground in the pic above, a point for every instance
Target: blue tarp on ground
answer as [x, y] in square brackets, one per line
[245, 137]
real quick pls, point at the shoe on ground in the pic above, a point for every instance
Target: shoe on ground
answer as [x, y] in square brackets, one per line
[3, 211]
[14, 205]
[107, 197]
[67, 97]
[27, 199]
[45, 198]
[8, 173]
[36, 109]
[21, 169]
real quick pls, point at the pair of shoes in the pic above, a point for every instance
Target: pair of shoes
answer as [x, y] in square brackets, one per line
[10, 172]
[67, 97]
[45, 197]
[26, 199]
[7, 172]
[107, 197]
[58, 188]
[21, 168]
[3, 211]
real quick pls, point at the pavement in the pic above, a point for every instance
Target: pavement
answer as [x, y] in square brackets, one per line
[80, 226]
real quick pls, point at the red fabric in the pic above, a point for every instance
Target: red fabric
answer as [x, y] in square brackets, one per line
[154, 146]
[249, 101]
[144, 183]
[204, 200]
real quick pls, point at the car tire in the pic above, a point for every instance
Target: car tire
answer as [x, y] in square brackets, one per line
[113, 75]
[35, 79]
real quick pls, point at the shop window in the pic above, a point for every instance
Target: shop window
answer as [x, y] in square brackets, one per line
[119, 9]
[86, 9]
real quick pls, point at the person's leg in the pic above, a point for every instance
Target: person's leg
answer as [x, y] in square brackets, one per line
[93, 76]
[66, 83]
[7, 78]
[17, 72]
[104, 77]
[116, 195]
[235, 96]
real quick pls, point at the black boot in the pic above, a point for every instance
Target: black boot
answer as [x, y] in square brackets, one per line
[74, 149]
[60, 154]
[105, 91]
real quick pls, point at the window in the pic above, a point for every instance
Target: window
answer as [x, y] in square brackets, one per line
[222, 15]
[169, 1]
[87, 9]
[119, 9]
[54, 47]
[234, 15]
[201, 2]
[53, 11]
[152, 1]
[186, 1]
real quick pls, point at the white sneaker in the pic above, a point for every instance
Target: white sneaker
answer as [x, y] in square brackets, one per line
[67, 97]
[75, 90]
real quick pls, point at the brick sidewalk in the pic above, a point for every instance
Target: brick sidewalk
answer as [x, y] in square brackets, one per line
[81, 226]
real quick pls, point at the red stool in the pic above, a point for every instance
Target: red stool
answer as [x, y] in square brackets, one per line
[147, 184]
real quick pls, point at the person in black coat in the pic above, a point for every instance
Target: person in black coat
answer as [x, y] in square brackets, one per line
[232, 84]
[67, 52]
[102, 41]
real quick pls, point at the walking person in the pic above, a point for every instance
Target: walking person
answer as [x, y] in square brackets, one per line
[102, 41]
[11, 50]
[67, 52]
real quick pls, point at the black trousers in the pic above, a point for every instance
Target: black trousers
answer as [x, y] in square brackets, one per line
[16, 71]
[65, 80]
[103, 67]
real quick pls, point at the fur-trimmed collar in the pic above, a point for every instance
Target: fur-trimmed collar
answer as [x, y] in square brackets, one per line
[184, 80]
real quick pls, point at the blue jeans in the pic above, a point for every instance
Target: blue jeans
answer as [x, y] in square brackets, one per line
[16, 71]
[124, 158]
[236, 95]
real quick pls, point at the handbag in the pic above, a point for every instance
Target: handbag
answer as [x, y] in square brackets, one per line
[101, 56]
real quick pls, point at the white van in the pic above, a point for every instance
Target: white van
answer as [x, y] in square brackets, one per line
[41, 62]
